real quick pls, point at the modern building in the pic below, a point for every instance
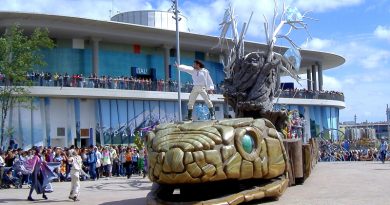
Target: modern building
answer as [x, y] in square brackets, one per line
[380, 129]
[142, 45]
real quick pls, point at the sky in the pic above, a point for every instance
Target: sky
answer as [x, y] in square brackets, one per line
[358, 30]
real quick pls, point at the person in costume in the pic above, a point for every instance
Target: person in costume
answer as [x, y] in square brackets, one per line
[38, 184]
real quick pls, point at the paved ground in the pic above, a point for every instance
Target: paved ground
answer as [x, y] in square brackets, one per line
[113, 191]
[344, 183]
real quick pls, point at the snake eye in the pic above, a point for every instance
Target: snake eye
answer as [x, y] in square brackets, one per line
[248, 143]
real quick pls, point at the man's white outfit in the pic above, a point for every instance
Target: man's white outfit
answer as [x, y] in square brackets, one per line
[75, 176]
[202, 82]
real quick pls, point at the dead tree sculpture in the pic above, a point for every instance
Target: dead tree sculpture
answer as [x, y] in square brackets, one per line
[252, 79]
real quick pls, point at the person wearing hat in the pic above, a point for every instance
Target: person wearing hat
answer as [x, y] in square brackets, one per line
[203, 85]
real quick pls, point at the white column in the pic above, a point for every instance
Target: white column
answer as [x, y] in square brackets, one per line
[95, 55]
[314, 77]
[166, 61]
[320, 77]
[308, 73]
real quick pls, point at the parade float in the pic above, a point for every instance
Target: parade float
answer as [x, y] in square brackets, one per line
[231, 161]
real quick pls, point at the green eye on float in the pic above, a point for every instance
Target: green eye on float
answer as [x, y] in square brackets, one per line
[248, 143]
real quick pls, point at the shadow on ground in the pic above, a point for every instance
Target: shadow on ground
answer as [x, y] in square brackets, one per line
[37, 200]
[261, 201]
[122, 186]
[138, 201]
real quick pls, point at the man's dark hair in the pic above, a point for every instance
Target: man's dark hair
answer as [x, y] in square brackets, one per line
[199, 63]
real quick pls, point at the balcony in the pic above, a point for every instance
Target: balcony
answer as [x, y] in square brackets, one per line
[308, 94]
[111, 86]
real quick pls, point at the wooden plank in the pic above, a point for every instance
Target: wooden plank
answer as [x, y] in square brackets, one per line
[294, 147]
[290, 171]
[306, 160]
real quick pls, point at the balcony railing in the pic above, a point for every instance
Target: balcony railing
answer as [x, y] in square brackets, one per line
[308, 94]
[166, 86]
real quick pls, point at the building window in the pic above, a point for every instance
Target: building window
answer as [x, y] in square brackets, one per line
[216, 109]
[60, 131]
[84, 132]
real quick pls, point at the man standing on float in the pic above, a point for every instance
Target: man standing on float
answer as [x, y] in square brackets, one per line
[203, 85]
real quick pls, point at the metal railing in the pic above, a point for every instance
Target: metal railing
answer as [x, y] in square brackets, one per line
[163, 86]
[306, 94]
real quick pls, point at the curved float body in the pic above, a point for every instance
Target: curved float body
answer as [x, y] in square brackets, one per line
[227, 161]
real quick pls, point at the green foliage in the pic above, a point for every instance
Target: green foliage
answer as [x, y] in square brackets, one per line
[138, 141]
[19, 54]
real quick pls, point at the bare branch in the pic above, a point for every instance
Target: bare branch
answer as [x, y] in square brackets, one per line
[289, 31]
[267, 33]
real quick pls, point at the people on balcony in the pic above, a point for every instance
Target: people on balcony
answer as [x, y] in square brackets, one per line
[139, 83]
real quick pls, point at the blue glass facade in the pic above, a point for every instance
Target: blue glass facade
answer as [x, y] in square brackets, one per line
[117, 60]
[114, 121]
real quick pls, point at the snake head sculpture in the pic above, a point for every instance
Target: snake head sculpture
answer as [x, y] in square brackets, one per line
[228, 161]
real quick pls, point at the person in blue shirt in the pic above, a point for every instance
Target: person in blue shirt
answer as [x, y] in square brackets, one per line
[92, 159]
[383, 149]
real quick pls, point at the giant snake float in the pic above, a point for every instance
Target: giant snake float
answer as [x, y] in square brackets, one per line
[229, 161]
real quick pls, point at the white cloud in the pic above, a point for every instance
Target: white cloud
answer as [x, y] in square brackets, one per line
[331, 83]
[349, 81]
[318, 44]
[201, 19]
[363, 78]
[357, 53]
[322, 6]
[382, 32]
[259, 8]
[206, 19]
[96, 9]
[375, 59]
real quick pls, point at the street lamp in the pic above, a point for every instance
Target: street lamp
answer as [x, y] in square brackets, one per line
[388, 120]
[177, 18]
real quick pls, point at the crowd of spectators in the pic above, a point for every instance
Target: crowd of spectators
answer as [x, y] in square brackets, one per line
[312, 94]
[147, 84]
[98, 162]
[347, 150]
[108, 82]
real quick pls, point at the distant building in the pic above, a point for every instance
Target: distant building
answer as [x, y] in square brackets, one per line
[366, 129]
[356, 130]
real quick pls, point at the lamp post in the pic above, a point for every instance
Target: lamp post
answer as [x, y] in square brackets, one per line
[176, 17]
[388, 120]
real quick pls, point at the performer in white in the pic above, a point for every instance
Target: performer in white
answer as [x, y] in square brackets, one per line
[76, 162]
[203, 85]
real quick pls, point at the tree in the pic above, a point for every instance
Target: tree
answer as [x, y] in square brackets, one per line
[138, 141]
[19, 54]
